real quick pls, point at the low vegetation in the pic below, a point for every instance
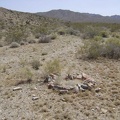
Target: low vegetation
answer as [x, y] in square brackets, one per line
[53, 66]
[35, 64]
[98, 47]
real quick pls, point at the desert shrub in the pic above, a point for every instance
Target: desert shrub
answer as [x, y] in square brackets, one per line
[90, 32]
[31, 41]
[14, 45]
[24, 74]
[112, 48]
[45, 39]
[53, 67]
[23, 43]
[61, 32]
[71, 31]
[1, 44]
[15, 34]
[98, 38]
[35, 64]
[53, 36]
[37, 35]
[104, 34]
[93, 49]
[40, 30]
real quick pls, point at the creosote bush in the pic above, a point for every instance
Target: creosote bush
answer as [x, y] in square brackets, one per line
[53, 36]
[93, 49]
[15, 34]
[35, 64]
[53, 67]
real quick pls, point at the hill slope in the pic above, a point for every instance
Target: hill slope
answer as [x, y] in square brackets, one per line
[68, 15]
[10, 18]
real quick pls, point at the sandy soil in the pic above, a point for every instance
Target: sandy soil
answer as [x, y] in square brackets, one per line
[88, 105]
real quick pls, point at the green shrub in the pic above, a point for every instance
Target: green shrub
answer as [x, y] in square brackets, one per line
[93, 49]
[112, 48]
[15, 34]
[53, 36]
[35, 64]
[90, 32]
[98, 38]
[37, 35]
[53, 67]
[14, 45]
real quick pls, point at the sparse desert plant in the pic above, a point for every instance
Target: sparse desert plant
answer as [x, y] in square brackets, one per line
[53, 36]
[53, 66]
[31, 41]
[104, 34]
[45, 39]
[14, 45]
[72, 31]
[61, 32]
[37, 35]
[35, 64]
[90, 32]
[25, 74]
[23, 43]
[1, 44]
[15, 34]
[98, 38]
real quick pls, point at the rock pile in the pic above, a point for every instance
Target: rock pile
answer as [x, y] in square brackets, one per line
[86, 83]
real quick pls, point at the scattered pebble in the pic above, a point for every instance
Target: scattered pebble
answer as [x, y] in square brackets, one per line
[17, 88]
[35, 98]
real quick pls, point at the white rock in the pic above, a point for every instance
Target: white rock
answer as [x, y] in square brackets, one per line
[76, 89]
[79, 77]
[17, 88]
[35, 98]
[103, 110]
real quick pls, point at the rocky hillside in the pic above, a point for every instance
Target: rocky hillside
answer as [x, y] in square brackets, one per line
[10, 18]
[68, 15]
[17, 26]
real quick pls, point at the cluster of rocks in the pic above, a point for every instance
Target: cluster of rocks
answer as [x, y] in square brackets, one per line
[86, 83]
